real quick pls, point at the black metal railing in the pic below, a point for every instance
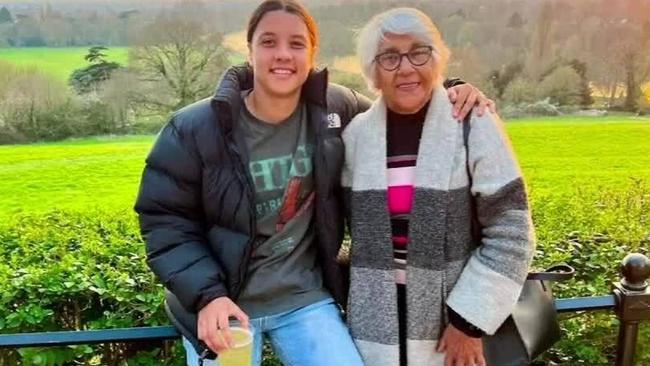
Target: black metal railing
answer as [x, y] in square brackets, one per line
[630, 299]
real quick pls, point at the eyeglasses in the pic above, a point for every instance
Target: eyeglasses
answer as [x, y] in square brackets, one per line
[391, 60]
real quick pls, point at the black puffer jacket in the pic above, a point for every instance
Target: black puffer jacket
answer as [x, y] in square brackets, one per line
[196, 197]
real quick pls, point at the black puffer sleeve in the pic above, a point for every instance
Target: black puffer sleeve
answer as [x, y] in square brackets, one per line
[171, 220]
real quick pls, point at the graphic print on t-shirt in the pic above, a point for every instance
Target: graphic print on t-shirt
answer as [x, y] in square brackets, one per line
[271, 177]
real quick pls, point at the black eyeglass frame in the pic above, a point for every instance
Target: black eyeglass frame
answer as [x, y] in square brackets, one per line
[401, 57]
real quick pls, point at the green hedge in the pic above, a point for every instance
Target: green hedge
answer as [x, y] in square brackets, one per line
[67, 270]
[592, 229]
[70, 271]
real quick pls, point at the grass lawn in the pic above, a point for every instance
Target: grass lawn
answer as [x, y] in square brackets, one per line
[73, 175]
[60, 62]
[565, 153]
[558, 157]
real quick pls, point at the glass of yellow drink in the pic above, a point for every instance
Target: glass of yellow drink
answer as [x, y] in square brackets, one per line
[241, 354]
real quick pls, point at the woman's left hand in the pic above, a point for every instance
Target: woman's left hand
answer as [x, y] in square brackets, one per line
[465, 97]
[461, 349]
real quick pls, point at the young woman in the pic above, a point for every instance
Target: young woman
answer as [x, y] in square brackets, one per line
[240, 201]
[422, 290]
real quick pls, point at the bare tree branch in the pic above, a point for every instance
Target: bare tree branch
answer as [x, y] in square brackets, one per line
[180, 56]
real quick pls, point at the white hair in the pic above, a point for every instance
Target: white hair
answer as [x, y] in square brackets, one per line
[398, 21]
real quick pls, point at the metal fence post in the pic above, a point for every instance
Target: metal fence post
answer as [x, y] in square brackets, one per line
[632, 304]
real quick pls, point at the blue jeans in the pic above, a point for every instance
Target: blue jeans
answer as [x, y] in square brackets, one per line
[314, 335]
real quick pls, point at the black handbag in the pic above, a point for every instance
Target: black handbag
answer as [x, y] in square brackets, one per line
[532, 328]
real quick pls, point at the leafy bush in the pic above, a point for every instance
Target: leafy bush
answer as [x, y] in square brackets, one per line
[72, 271]
[520, 91]
[592, 229]
[25, 96]
[542, 108]
[562, 86]
[539, 108]
[65, 271]
[35, 107]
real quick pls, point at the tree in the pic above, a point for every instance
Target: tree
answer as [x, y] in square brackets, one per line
[89, 78]
[619, 42]
[580, 68]
[179, 59]
[644, 101]
[96, 55]
[459, 13]
[636, 63]
[516, 21]
[541, 46]
[5, 16]
[29, 99]
[26, 33]
[500, 79]
[585, 90]
[520, 91]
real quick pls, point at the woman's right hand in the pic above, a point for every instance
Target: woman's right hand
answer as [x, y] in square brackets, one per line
[461, 349]
[214, 324]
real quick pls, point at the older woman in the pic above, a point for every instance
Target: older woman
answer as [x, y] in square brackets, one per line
[424, 288]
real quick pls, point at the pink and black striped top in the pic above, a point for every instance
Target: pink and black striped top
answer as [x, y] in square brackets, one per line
[403, 139]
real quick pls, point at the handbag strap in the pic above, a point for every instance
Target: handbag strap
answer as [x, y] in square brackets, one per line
[558, 272]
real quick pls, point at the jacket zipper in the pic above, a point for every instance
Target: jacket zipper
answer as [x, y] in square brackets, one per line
[243, 170]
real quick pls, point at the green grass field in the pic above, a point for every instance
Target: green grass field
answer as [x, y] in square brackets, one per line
[558, 156]
[60, 62]
[76, 175]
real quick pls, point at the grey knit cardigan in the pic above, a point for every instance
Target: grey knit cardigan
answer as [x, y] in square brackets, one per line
[445, 265]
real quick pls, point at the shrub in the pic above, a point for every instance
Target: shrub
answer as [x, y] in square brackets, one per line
[562, 86]
[80, 271]
[519, 91]
[542, 108]
[67, 271]
[539, 108]
[36, 107]
[33, 106]
[592, 229]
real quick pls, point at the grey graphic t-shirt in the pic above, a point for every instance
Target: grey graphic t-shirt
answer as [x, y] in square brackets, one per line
[283, 273]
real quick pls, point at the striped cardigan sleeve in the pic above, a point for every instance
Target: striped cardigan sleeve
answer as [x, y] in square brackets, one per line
[492, 279]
